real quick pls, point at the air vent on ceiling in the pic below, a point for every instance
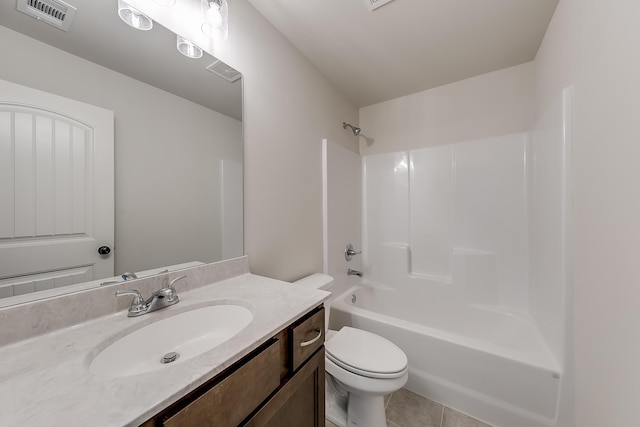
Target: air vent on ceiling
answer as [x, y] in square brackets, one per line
[223, 70]
[54, 12]
[374, 4]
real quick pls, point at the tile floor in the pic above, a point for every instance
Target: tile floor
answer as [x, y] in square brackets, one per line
[407, 409]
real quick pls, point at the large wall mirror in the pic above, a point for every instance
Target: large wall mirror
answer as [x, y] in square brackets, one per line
[177, 138]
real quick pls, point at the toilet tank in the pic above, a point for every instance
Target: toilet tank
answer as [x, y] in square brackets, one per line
[319, 281]
[316, 281]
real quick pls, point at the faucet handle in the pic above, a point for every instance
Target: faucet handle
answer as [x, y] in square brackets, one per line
[169, 293]
[176, 279]
[137, 304]
[349, 252]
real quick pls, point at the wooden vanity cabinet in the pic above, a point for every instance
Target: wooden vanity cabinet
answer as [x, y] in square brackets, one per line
[280, 384]
[299, 403]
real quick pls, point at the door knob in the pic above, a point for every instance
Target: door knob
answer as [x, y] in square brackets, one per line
[104, 250]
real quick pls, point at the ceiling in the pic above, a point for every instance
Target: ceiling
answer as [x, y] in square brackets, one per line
[99, 35]
[403, 47]
[407, 46]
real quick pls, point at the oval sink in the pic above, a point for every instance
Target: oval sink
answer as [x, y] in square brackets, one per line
[188, 334]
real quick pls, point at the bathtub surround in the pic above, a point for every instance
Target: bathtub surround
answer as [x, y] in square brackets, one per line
[470, 237]
[465, 260]
[487, 217]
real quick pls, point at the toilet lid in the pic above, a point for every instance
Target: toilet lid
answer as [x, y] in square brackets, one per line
[366, 354]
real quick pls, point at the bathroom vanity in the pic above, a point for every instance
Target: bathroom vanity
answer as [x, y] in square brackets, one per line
[279, 384]
[271, 373]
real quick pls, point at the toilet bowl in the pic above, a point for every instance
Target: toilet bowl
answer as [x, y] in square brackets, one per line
[361, 369]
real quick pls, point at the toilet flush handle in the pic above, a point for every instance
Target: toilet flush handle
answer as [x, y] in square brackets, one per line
[306, 343]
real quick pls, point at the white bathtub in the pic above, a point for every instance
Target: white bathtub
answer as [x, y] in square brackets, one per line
[491, 365]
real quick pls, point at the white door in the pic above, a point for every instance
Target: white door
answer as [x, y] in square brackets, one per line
[56, 190]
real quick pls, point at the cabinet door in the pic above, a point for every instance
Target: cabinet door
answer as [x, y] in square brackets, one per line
[230, 401]
[300, 402]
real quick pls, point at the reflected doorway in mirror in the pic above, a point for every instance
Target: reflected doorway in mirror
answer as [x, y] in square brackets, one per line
[58, 204]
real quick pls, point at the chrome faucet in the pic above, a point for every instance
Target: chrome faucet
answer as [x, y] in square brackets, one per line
[352, 272]
[349, 252]
[159, 299]
[129, 276]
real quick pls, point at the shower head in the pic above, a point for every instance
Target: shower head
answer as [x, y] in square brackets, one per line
[355, 130]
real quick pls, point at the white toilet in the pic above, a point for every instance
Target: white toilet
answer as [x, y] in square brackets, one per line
[361, 369]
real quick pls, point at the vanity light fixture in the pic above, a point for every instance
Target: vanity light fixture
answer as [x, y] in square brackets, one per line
[216, 15]
[215, 4]
[134, 17]
[187, 48]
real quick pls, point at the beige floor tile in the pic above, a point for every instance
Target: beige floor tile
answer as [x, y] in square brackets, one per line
[407, 409]
[386, 400]
[329, 424]
[452, 418]
[392, 424]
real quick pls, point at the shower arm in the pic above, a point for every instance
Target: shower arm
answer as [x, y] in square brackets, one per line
[354, 129]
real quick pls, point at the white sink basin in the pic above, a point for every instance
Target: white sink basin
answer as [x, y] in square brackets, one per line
[188, 334]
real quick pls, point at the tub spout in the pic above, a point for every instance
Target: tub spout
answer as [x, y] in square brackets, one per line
[352, 272]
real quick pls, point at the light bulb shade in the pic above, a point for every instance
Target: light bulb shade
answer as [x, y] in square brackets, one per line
[213, 16]
[216, 19]
[216, 32]
[134, 17]
[187, 48]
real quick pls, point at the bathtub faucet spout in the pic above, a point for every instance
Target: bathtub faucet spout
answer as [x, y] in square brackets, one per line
[352, 272]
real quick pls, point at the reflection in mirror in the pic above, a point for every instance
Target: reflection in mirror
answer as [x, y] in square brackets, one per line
[176, 144]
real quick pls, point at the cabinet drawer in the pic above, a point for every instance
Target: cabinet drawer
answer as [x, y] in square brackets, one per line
[307, 337]
[230, 401]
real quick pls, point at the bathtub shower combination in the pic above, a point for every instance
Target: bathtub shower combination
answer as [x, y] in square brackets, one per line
[464, 260]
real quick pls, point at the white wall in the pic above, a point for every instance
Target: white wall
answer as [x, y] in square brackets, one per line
[342, 205]
[485, 106]
[289, 108]
[593, 45]
[167, 151]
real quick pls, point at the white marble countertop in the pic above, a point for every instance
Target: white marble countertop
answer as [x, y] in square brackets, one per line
[45, 381]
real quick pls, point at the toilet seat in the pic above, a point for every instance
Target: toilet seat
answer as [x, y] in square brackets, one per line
[365, 386]
[366, 354]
